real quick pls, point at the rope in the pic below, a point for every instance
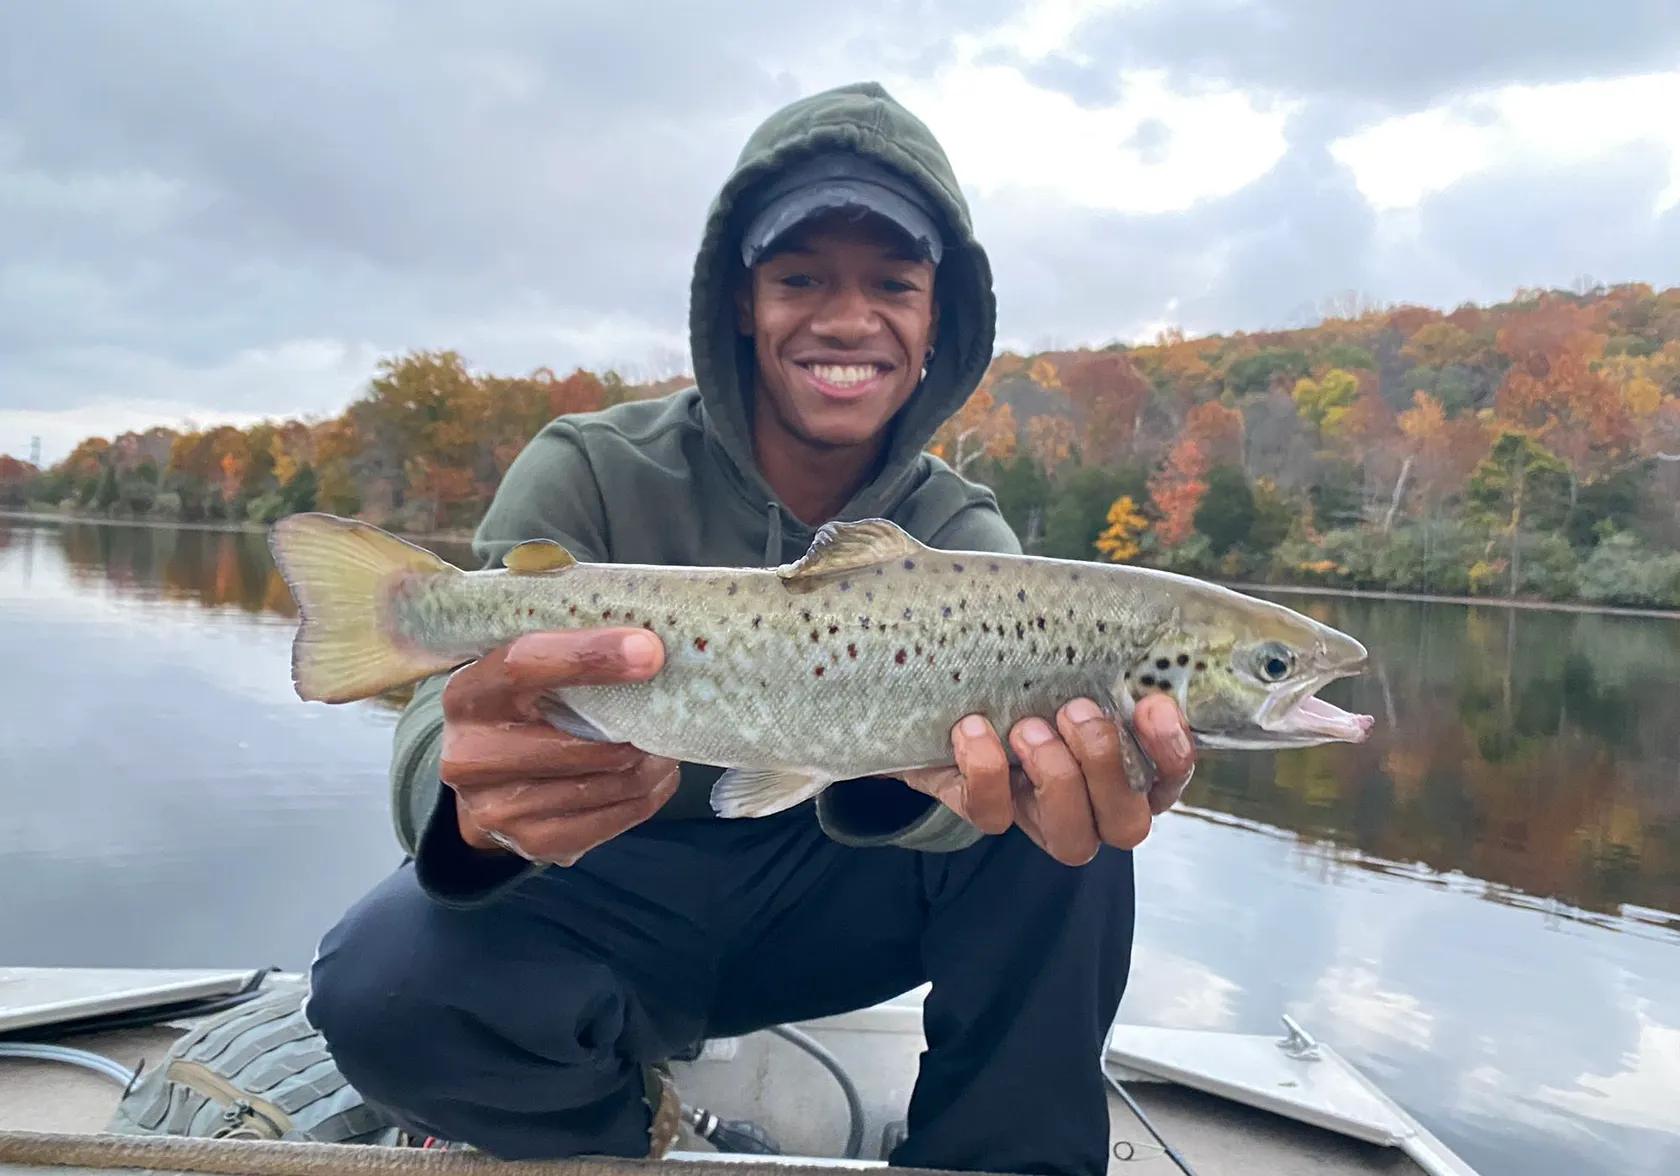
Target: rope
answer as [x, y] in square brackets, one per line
[244, 1157]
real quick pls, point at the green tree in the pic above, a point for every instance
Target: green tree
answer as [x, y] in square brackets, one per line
[1226, 513]
[1520, 484]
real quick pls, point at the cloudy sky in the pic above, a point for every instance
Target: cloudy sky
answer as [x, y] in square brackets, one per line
[222, 211]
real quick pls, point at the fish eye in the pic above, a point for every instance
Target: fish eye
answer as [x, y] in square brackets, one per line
[1275, 661]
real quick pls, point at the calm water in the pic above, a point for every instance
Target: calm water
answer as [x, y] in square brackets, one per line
[1480, 907]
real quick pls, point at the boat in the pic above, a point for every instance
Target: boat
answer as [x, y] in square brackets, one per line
[820, 1094]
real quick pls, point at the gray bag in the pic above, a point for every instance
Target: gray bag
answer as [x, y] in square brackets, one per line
[256, 1071]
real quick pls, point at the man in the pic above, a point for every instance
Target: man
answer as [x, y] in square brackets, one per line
[573, 916]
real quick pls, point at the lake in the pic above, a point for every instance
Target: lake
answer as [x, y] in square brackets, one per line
[1480, 906]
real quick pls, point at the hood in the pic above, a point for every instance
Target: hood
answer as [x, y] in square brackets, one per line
[864, 118]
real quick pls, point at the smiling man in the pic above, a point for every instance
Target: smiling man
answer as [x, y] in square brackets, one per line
[573, 916]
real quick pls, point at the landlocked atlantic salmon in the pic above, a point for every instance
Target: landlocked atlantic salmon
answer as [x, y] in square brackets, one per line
[855, 660]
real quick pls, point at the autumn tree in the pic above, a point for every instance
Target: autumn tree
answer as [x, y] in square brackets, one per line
[981, 428]
[1108, 396]
[1518, 483]
[1324, 401]
[1119, 540]
[1177, 489]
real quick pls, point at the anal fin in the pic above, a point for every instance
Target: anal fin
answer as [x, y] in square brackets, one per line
[759, 792]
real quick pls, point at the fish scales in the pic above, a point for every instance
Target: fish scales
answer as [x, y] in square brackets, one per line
[855, 660]
[864, 676]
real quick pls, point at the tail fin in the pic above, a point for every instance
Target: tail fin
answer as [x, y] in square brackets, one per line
[336, 569]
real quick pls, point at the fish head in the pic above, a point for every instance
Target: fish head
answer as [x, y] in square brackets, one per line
[1246, 674]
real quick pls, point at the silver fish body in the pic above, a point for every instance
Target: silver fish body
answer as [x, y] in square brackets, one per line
[860, 658]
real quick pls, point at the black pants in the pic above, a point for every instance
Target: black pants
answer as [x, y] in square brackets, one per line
[520, 1027]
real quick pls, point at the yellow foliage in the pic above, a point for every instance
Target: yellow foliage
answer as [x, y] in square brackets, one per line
[1125, 523]
[1044, 374]
[1325, 401]
[1643, 396]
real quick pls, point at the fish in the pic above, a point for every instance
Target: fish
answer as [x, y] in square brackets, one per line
[857, 659]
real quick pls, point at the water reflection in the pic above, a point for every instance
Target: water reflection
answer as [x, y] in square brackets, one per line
[1478, 906]
[1538, 752]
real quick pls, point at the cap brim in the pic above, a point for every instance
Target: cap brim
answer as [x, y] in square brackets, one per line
[799, 206]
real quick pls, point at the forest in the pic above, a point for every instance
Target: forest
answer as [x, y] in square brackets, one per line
[1529, 449]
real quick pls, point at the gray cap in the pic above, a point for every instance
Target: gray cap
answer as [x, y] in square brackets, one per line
[840, 179]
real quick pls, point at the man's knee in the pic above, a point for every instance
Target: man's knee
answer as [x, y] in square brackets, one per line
[368, 989]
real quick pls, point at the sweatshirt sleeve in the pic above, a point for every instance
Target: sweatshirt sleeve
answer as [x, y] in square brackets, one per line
[878, 811]
[549, 492]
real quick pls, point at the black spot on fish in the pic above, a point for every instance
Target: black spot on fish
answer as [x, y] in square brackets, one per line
[594, 598]
[648, 625]
[851, 651]
[700, 644]
[907, 614]
[757, 621]
[805, 613]
[956, 567]
[1069, 652]
[864, 621]
[1165, 685]
[1201, 665]
[962, 604]
[1148, 679]
[845, 585]
[530, 612]
[1041, 624]
[1020, 630]
[1102, 626]
[1021, 595]
[606, 614]
[818, 671]
[1070, 614]
[1000, 657]
[733, 587]
[946, 612]
[992, 565]
[880, 571]
[870, 596]
[909, 565]
[956, 675]
[833, 629]
[1027, 685]
[1162, 663]
[899, 657]
[814, 637]
[942, 641]
[985, 626]
[1074, 577]
[1184, 659]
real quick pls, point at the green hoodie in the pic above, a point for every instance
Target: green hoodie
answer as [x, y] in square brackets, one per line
[674, 481]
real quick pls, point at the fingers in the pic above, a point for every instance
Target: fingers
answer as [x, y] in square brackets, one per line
[1116, 781]
[558, 820]
[983, 768]
[479, 755]
[495, 685]
[1164, 737]
[583, 657]
[1066, 825]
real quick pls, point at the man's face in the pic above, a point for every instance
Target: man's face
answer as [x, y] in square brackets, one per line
[841, 315]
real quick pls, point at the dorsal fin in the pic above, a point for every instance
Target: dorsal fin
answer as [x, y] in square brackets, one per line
[841, 548]
[536, 556]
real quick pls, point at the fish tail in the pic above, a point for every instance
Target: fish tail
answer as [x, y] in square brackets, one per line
[337, 570]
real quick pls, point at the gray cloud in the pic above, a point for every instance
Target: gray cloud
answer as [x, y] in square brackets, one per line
[1392, 56]
[236, 207]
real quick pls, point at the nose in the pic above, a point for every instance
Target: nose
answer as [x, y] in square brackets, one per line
[845, 315]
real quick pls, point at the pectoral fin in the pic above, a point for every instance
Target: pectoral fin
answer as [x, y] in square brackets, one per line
[759, 792]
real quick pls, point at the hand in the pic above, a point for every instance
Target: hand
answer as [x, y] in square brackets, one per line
[547, 795]
[1071, 794]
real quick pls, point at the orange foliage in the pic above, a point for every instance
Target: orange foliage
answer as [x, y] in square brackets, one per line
[1177, 491]
[1217, 432]
[1108, 395]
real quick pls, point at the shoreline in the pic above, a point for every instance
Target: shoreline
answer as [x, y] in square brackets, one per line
[27, 516]
[465, 537]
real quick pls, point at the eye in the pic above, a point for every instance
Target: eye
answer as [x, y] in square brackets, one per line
[1275, 661]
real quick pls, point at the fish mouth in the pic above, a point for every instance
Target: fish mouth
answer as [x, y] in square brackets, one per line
[1297, 718]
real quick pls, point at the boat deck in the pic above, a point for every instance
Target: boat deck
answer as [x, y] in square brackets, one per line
[1214, 1135]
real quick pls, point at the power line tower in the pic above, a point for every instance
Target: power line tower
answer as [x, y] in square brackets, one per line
[35, 452]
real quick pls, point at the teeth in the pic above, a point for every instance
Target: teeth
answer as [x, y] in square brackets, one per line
[844, 375]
